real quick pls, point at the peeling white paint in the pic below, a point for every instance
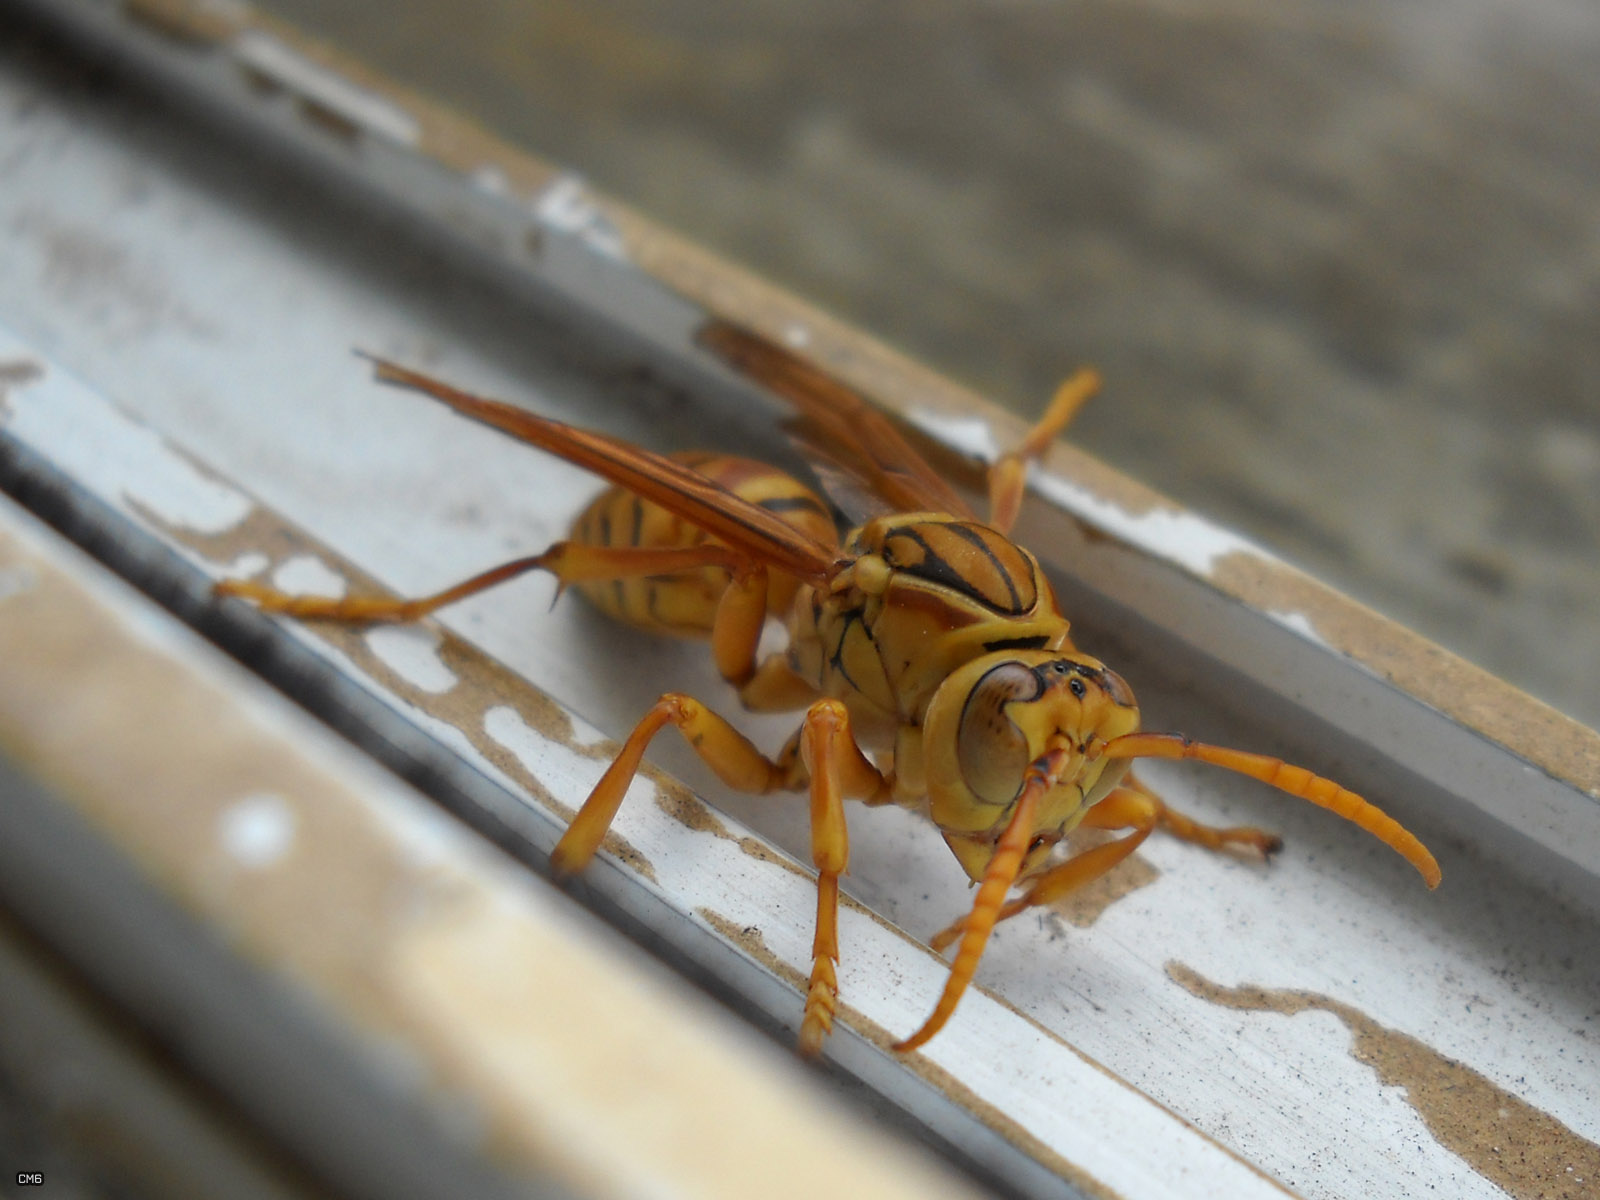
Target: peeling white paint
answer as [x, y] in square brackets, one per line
[1301, 624]
[412, 652]
[970, 435]
[490, 180]
[1180, 537]
[308, 575]
[566, 206]
[258, 830]
[366, 110]
[246, 566]
[506, 726]
[123, 457]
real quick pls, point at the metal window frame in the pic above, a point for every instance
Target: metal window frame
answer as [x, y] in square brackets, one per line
[1516, 785]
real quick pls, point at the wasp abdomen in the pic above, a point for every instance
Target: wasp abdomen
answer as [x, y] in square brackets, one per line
[685, 603]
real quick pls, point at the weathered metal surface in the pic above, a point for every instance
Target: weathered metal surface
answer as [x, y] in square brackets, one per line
[506, 1046]
[150, 270]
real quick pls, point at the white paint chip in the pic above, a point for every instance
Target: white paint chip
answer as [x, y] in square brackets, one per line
[969, 435]
[258, 830]
[126, 458]
[538, 753]
[16, 580]
[1301, 624]
[567, 207]
[368, 111]
[490, 180]
[247, 566]
[506, 726]
[412, 652]
[306, 574]
[1181, 537]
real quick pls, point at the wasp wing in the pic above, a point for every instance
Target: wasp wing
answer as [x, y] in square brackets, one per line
[679, 489]
[847, 435]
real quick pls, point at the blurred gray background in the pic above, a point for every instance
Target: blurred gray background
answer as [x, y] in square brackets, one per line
[1338, 259]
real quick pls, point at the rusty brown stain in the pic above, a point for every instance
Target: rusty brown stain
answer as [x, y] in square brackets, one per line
[749, 939]
[196, 22]
[1508, 1141]
[328, 120]
[1466, 693]
[18, 372]
[684, 807]
[757, 849]
[258, 81]
[482, 684]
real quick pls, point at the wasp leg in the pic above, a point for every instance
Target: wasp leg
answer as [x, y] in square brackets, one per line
[569, 562]
[1009, 475]
[838, 770]
[776, 687]
[1122, 808]
[825, 753]
[723, 748]
[1211, 837]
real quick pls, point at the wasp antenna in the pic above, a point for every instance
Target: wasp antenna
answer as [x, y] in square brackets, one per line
[1043, 774]
[1287, 777]
[386, 370]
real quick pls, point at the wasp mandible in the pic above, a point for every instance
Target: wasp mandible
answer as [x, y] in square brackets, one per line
[927, 650]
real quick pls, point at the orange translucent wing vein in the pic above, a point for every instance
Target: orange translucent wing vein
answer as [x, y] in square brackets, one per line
[675, 487]
[848, 433]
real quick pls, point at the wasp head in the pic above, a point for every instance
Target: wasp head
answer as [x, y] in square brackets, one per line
[999, 714]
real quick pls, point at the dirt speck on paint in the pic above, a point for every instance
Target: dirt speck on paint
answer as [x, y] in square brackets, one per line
[1508, 1141]
[16, 372]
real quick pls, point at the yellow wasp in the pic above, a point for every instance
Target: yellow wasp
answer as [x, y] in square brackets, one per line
[928, 637]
